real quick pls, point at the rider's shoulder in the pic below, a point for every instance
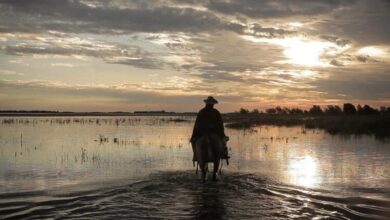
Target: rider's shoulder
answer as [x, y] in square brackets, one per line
[202, 110]
[216, 111]
[208, 111]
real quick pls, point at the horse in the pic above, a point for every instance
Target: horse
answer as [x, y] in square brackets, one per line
[208, 149]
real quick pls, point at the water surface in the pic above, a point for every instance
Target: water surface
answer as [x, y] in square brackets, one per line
[140, 167]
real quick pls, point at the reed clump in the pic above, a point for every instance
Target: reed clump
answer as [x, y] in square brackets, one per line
[333, 119]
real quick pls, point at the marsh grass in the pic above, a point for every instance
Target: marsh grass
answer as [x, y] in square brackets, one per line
[378, 125]
[122, 121]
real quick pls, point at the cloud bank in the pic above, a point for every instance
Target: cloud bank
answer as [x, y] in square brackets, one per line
[257, 53]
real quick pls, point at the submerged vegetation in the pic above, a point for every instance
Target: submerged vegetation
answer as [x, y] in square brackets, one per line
[333, 119]
[348, 119]
[118, 121]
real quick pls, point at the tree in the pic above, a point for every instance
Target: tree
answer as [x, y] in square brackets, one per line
[285, 111]
[255, 111]
[359, 109]
[244, 111]
[270, 111]
[349, 109]
[315, 110]
[382, 109]
[278, 110]
[296, 111]
[368, 110]
[333, 110]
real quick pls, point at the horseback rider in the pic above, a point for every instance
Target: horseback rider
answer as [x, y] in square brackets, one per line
[208, 122]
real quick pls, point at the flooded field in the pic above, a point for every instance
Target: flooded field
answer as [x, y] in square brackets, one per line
[140, 167]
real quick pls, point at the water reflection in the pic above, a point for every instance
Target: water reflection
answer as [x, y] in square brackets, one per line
[304, 171]
[209, 204]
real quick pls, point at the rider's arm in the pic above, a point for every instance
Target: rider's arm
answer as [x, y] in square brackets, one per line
[221, 129]
[195, 130]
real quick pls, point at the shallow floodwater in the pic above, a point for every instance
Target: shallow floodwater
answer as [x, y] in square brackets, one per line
[140, 167]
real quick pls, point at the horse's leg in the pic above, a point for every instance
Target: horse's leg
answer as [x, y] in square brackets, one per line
[202, 163]
[220, 167]
[216, 166]
[203, 169]
[217, 150]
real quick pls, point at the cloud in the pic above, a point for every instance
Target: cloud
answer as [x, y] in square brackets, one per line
[68, 65]
[335, 62]
[167, 19]
[365, 58]
[10, 73]
[244, 49]
[271, 9]
[122, 17]
[74, 16]
[270, 32]
[363, 23]
[70, 46]
[124, 97]
[337, 40]
[364, 85]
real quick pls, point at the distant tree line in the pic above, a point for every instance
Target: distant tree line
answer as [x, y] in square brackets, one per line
[346, 109]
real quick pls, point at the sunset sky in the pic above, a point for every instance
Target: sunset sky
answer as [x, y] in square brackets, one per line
[119, 55]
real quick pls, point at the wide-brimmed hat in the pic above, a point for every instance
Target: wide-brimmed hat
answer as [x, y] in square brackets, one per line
[210, 100]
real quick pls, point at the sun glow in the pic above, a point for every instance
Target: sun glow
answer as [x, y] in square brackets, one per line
[303, 52]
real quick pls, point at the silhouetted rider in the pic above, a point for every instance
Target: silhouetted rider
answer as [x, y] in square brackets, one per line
[208, 121]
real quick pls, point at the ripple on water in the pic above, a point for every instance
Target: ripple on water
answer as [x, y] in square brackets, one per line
[179, 195]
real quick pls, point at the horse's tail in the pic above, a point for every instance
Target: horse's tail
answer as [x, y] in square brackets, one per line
[208, 148]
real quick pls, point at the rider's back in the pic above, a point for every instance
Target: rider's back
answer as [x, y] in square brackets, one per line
[209, 121]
